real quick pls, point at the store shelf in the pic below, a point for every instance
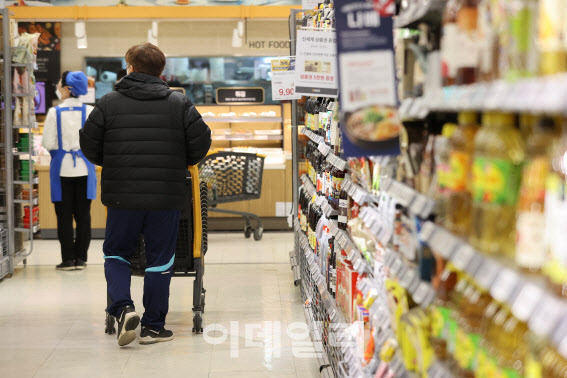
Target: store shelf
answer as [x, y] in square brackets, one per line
[23, 94]
[417, 203]
[25, 65]
[336, 161]
[242, 119]
[35, 180]
[24, 229]
[429, 12]
[4, 267]
[336, 330]
[21, 256]
[22, 153]
[33, 201]
[248, 137]
[541, 95]
[413, 109]
[528, 299]
[360, 195]
[27, 127]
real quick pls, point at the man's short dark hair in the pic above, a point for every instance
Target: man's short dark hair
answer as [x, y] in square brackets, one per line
[146, 58]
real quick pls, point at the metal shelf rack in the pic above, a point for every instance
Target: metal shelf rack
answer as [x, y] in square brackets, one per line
[15, 236]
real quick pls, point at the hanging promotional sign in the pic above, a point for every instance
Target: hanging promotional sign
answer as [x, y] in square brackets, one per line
[316, 63]
[367, 77]
[283, 79]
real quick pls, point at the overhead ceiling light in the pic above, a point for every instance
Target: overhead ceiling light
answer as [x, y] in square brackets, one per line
[153, 34]
[81, 34]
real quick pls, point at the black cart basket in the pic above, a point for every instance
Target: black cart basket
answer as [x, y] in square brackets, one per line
[233, 177]
[190, 249]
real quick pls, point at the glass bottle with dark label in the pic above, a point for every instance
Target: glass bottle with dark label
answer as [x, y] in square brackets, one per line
[343, 209]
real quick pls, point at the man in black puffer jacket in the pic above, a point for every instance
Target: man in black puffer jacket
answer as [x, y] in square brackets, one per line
[144, 135]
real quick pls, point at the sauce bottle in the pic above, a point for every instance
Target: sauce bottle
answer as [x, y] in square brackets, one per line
[467, 42]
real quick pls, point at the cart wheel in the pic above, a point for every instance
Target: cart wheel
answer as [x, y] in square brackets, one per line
[109, 325]
[258, 233]
[247, 232]
[197, 323]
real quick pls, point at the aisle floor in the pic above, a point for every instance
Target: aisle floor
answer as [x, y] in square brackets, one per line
[52, 323]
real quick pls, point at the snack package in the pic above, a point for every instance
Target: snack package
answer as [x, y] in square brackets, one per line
[26, 50]
[17, 112]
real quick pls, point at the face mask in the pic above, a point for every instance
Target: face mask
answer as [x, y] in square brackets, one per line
[58, 93]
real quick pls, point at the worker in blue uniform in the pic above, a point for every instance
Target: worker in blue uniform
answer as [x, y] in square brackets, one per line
[73, 177]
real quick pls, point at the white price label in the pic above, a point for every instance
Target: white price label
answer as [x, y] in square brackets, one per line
[504, 285]
[283, 79]
[462, 257]
[526, 301]
[396, 266]
[543, 321]
[487, 273]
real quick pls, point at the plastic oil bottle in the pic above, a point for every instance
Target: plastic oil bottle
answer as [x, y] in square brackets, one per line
[556, 217]
[499, 154]
[461, 150]
[443, 170]
[530, 223]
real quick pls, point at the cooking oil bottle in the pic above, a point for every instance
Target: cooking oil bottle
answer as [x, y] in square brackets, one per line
[510, 343]
[499, 154]
[530, 240]
[556, 217]
[443, 170]
[459, 197]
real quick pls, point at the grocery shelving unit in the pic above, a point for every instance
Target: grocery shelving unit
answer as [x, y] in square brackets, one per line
[525, 297]
[16, 232]
[6, 254]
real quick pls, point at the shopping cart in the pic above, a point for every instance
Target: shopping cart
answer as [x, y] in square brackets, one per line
[190, 250]
[232, 177]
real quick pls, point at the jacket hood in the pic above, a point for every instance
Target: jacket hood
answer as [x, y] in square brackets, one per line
[142, 86]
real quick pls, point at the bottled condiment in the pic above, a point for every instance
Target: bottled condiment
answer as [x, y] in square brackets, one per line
[427, 166]
[499, 153]
[530, 225]
[459, 189]
[467, 42]
[443, 171]
[520, 57]
[556, 218]
[449, 47]
[552, 37]
[343, 209]
[490, 20]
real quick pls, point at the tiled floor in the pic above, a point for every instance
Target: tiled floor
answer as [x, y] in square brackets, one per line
[52, 323]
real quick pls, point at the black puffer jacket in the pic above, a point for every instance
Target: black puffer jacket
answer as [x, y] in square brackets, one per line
[144, 135]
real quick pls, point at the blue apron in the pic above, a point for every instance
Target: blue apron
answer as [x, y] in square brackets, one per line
[58, 155]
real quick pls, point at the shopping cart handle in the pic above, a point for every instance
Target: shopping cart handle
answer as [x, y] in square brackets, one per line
[197, 220]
